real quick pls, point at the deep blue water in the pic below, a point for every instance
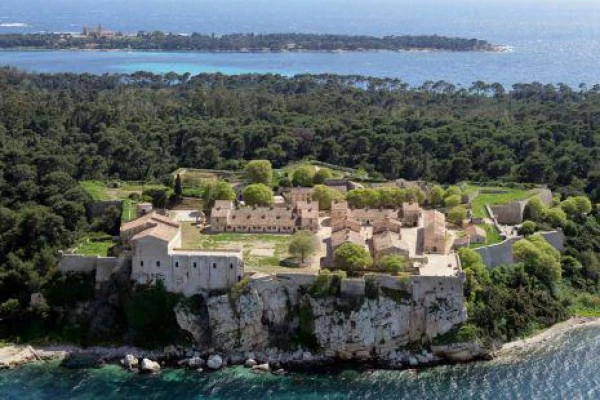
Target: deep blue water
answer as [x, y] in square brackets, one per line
[554, 41]
[562, 370]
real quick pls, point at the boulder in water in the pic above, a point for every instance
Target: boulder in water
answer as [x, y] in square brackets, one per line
[130, 362]
[214, 362]
[149, 366]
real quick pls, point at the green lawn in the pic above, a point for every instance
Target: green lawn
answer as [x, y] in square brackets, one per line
[508, 195]
[493, 237]
[88, 247]
[275, 247]
[129, 211]
[96, 189]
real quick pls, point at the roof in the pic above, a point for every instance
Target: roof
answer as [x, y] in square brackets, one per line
[338, 238]
[474, 230]
[161, 231]
[308, 209]
[389, 240]
[149, 219]
[410, 206]
[435, 222]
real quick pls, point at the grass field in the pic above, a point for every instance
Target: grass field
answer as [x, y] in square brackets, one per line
[88, 247]
[505, 196]
[262, 252]
[99, 190]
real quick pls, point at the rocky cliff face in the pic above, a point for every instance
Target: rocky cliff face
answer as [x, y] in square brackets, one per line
[285, 312]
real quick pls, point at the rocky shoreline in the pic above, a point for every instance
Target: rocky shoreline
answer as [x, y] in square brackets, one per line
[279, 362]
[271, 360]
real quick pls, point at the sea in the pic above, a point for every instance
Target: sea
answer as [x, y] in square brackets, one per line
[551, 41]
[560, 369]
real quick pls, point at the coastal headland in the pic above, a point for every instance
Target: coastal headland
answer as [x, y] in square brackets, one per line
[102, 39]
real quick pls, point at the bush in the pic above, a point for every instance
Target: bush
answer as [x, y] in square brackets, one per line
[67, 290]
[150, 316]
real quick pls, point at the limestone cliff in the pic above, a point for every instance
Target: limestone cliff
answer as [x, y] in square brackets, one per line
[385, 316]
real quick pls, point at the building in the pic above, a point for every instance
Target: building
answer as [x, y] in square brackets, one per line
[296, 194]
[340, 213]
[389, 243]
[476, 234]
[434, 232]
[157, 255]
[410, 214]
[225, 217]
[387, 225]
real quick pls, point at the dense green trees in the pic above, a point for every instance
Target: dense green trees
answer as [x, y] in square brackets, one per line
[351, 258]
[242, 42]
[326, 196]
[259, 171]
[58, 129]
[219, 190]
[258, 194]
[304, 175]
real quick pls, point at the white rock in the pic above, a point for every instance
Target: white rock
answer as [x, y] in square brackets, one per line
[214, 362]
[196, 362]
[149, 366]
[250, 363]
[262, 368]
[130, 362]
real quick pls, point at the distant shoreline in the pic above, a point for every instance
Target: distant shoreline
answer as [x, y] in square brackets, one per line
[501, 49]
[98, 39]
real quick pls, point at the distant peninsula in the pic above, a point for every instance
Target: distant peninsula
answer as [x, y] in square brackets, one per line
[102, 39]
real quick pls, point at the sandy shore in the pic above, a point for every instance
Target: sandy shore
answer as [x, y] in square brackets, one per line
[518, 348]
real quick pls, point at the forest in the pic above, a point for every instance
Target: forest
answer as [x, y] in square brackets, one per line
[242, 42]
[56, 130]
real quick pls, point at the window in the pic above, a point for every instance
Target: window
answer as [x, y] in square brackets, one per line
[195, 264]
[176, 264]
[142, 263]
[158, 263]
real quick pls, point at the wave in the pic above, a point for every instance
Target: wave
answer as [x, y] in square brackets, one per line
[14, 25]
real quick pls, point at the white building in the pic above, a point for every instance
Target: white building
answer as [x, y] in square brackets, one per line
[157, 255]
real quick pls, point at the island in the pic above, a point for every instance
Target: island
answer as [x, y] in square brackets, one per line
[101, 39]
[291, 222]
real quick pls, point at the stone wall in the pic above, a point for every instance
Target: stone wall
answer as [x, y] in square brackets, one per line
[102, 266]
[501, 253]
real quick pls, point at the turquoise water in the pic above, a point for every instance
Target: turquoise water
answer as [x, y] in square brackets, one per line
[554, 41]
[564, 370]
